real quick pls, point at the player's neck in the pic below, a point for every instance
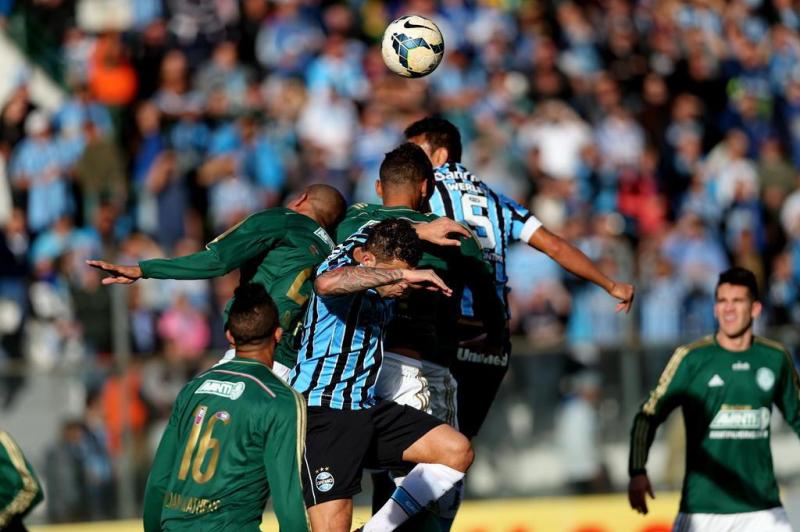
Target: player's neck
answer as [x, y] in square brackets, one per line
[306, 211]
[399, 200]
[737, 343]
[263, 355]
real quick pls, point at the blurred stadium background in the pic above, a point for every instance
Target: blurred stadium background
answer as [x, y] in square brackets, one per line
[662, 136]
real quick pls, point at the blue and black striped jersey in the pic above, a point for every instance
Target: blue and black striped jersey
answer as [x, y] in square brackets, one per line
[495, 219]
[342, 341]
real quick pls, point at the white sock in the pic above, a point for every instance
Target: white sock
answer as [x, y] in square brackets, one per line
[423, 485]
[447, 506]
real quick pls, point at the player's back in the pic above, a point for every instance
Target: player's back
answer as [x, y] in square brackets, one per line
[496, 220]
[229, 429]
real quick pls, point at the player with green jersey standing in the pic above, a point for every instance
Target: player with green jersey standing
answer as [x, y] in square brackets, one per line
[278, 248]
[235, 436]
[726, 385]
[20, 490]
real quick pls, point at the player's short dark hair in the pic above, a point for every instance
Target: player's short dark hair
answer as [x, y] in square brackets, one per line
[740, 277]
[439, 133]
[406, 164]
[394, 239]
[253, 317]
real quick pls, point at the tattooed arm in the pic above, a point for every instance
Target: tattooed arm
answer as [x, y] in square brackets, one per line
[350, 279]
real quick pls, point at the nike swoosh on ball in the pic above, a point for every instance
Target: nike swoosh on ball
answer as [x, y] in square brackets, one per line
[410, 25]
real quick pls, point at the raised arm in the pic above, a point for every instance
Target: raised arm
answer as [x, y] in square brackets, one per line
[255, 235]
[351, 279]
[576, 262]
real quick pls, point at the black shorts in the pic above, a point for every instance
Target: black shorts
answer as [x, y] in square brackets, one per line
[478, 376]
[341, 443]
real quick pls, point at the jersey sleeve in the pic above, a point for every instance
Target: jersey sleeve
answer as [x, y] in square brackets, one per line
[523, 223]
[342, 254]
[662, 400]
[160, 471]
[253, 236]
[282, 458]
[15, 472]
[787, 397]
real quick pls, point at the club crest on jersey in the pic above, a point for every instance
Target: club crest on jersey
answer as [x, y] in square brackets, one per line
[324, 481]
[229, 390]
[765, 379]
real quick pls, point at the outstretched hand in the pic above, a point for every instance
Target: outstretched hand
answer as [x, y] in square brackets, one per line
[426, 279]
[440, 230]
[638, 489]
[625, 293]
[117, 274]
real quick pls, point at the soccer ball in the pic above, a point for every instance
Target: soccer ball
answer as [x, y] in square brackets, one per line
[412, 46]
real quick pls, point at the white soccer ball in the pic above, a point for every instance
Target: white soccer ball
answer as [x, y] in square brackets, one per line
[412, 46]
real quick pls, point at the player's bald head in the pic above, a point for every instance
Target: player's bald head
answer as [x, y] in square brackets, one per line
[323, 203]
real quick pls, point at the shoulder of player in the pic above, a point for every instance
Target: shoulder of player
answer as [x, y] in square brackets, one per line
[770, 345]
[240, 378]
[688, 352]
[775, 348]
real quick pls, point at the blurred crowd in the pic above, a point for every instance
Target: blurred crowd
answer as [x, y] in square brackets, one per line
[662, 136]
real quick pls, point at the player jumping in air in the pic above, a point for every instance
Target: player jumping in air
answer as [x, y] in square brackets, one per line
[278, 248]
[497, 222]
[725, 385]
[421, 339]
[338, 365]
[234, 438]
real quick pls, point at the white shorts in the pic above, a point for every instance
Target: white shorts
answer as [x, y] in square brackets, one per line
[772, 520]
[280, 371]
[419, 384]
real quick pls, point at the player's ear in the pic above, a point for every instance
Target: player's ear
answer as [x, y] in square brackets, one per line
[755, 310]
[424, 188]
[229, 336]
[439, 157]
[298, 200]
[379, 188]
[277, 335]
[364, 257]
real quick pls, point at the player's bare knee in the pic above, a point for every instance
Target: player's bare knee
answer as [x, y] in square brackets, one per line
[459, 454]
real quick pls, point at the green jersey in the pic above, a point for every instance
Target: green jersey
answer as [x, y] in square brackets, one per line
[426, 322]
[236, 434]
[276, 248]
[726, 398]
[20, 490]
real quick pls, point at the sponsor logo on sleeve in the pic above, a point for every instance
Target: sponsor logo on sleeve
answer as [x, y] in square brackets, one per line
[323, 235]
[229, 390]
[765, 379]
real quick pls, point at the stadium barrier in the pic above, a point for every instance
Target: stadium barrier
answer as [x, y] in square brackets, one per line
[603, 513]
